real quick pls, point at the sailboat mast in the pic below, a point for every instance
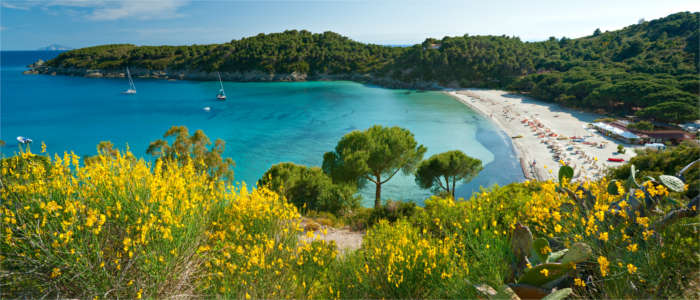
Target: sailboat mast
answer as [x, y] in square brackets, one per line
[221, 83]
[131, 81]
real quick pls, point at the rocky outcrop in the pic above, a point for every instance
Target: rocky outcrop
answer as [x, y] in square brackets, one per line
[40, 67]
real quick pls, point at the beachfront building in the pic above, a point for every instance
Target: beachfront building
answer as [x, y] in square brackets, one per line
[636, 136]
[617, 133]
[663, 136]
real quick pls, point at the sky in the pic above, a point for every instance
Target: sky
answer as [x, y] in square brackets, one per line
[31, 24]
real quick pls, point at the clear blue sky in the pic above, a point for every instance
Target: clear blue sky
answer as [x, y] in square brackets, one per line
[79, 23]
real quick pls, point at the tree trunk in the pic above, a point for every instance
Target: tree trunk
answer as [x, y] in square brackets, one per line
[447, 184]
[378, 193]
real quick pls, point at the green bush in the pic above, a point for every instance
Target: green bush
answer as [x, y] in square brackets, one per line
[309, 189]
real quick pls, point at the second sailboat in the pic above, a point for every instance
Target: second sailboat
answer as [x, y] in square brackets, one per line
[221, 95]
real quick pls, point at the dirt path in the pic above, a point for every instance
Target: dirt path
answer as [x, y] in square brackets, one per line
[345, 239]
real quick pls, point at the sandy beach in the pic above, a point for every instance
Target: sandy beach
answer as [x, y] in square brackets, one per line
[545, 134]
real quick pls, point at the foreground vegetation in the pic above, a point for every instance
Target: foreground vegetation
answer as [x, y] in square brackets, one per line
[671, 161]
[120, 227]
[649, 68]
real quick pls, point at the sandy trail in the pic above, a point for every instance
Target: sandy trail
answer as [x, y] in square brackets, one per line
[344, 238]
[539, 152]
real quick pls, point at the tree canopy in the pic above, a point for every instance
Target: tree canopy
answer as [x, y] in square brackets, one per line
[442, 171]
[188, 147]
[308, 188]
[374, 155]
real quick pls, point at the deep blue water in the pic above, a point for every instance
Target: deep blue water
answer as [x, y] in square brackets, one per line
[262, 123]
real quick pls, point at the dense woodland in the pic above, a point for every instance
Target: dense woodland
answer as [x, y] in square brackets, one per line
[650, 69]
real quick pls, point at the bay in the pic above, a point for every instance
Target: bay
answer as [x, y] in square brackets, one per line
[261, 123]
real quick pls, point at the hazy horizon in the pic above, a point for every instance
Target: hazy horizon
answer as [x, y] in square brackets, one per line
[29, 25]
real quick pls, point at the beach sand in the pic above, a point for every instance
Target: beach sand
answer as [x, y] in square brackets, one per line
[508, 110]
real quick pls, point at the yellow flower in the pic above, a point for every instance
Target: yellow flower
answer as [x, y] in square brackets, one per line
[579, 282]
[247, 296]
[55, 272]
[603, 236]
[644, 221]
[139, 294]
[546, 250]
[632, 247]
[604, 264]
[631, 268]
[544, 272]
[557, 228]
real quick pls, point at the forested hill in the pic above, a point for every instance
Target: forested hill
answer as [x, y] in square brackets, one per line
[287, 52]
[650, 68]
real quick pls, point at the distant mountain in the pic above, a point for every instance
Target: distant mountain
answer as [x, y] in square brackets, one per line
[54, 47]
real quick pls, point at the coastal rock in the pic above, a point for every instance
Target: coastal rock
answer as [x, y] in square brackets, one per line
[244, 76]
[30, 72]
[94, 75]
[36, 64]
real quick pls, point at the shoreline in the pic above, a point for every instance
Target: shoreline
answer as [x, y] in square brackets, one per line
[40, 68]
[520, 151]
[539, 153]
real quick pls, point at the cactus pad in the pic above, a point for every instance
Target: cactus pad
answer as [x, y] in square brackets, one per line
[578, 252]
[672, 183]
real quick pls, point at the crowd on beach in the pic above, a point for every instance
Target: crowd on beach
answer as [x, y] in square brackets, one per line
[545, 137]
[569, 150]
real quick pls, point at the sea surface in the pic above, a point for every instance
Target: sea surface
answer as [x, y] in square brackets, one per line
[262, 123]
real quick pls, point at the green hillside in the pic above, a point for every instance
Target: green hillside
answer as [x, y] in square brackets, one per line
[650, 68]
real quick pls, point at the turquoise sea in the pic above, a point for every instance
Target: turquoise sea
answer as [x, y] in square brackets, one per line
[262, 123]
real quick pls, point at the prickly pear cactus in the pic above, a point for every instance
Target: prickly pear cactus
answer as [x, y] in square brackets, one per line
[612, 187]
[556, 256]
[672, 182]
[541, 274]
[541, 249]
[579, 252]
[521, 243]
[559, 294]
[565, 172]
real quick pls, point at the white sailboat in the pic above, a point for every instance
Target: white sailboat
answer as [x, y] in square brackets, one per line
[24, 140]
[132, 87]
[221, 95]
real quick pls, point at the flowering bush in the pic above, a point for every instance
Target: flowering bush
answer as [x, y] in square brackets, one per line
[119, 227]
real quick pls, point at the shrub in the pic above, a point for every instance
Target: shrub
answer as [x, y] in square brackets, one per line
[359, 219]
[392, 211]
[116, 228]
[642, 125]
[309, 189]
[399, 261]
